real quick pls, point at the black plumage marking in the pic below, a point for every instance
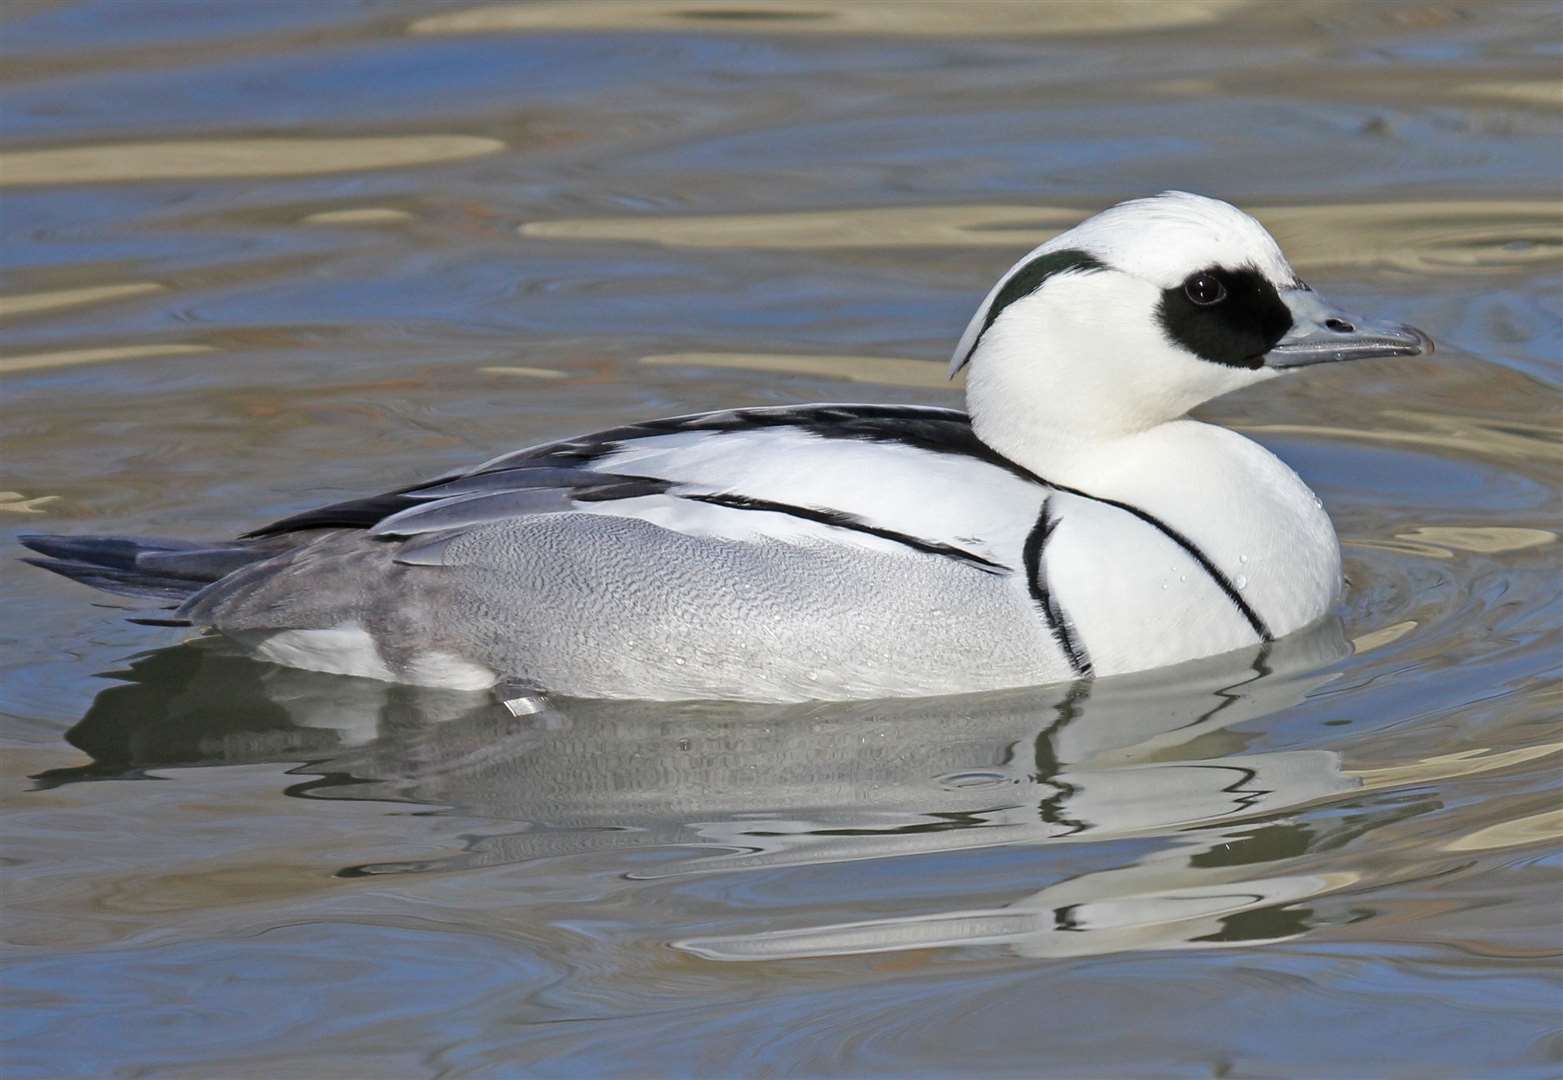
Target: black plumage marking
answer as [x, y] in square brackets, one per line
[1224, 583]
[1030, 277]
[621, 487]
[840, 520]
[1036, 583]
[921, 427]
[120, 582]
[1236, 330]
[924, 427]
[351, 514]
[585, 485]
[515, 478]
[114, 552]
[137, 565]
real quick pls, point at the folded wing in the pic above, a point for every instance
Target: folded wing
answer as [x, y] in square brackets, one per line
[904, 478]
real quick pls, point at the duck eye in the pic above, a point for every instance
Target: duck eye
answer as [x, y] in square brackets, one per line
[1205, 289]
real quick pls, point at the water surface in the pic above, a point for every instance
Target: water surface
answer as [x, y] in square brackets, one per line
[260, 257]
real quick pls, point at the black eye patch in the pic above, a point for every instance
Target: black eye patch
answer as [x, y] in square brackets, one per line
[1238, 329]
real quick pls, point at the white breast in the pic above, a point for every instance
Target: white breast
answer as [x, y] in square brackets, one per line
[1250, 514]
[1134, 597]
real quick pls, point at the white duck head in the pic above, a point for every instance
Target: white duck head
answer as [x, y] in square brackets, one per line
[1135, 316]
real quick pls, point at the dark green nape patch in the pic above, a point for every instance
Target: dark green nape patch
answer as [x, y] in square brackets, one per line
[1029, 278]
[1236, 331]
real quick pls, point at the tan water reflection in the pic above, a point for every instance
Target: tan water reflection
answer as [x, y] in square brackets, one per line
[55, 299]
[216, 158]
[1469, 762]
[521, 371]
[1512, 439]
[1377, 639]
[970, 18]
[1545, 93]
[1442, 541]
[16, 503]
[1541, 828]
[361, 215]
[881, 370]
[1437, 236]
[43, 361]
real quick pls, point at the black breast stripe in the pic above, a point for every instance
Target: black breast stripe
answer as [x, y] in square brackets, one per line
[838, 519]
[1222, 581]
[1036, 582]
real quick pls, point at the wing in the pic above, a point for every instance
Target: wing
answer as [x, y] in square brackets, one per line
[891, 477]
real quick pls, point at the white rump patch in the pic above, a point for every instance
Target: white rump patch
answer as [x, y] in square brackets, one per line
[348, 649]
[448, 671]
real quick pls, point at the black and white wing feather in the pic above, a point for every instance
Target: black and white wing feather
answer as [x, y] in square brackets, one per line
[907, 478]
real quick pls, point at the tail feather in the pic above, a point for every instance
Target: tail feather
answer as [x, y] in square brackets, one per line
[118, 552]
[156, 567]
[119, 582]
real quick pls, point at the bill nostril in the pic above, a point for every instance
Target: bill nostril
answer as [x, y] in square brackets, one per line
[1340, 326]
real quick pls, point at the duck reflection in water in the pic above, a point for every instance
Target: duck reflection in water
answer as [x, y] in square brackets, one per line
[722, 787]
